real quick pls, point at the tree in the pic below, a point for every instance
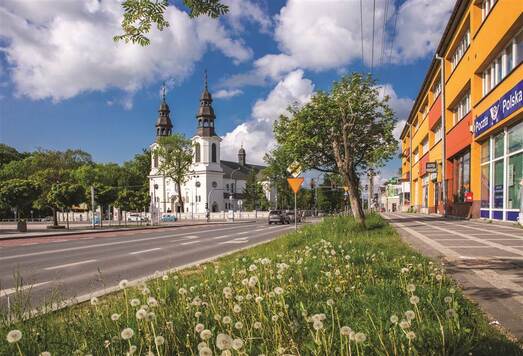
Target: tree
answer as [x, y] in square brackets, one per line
[140, 15]
[18, 194]
[9, 154]
[343, 131]
[254, 197]
[104, 195]
[65, 195]
[278, 160]
[174, 160]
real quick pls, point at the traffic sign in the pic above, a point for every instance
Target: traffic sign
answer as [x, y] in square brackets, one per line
[295, 183]
[295, 169]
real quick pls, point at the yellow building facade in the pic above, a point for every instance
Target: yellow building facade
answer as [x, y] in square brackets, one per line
[462, 146]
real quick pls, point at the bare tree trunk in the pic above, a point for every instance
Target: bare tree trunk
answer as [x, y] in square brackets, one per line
[371, 190]
[179, 189]
[55, 217]
[354, 198]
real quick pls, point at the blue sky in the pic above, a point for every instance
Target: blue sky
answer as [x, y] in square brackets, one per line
[65, 84]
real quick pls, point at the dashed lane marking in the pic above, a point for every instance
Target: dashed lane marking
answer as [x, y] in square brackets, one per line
[145, 251]
[69, 265]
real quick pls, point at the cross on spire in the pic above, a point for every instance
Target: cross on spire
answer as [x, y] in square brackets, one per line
[205, 78]
[163, 91]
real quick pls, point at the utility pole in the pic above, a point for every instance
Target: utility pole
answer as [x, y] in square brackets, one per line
[444, 133]
[92, 207]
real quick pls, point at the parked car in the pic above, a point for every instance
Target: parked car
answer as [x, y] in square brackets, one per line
[168, 218]
[278, 217]
[136, 217]
[290, 214]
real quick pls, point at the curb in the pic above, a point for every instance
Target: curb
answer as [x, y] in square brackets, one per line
[120, 229]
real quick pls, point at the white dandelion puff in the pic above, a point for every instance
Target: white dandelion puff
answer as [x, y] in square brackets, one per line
[14, 336]
[127, 333]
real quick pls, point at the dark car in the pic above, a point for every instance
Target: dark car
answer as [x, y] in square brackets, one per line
[278, 217]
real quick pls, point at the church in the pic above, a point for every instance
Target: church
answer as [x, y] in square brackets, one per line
[212, 183]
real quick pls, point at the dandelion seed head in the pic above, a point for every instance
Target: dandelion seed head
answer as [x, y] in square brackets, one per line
[238, 325]
[205, 351]
[410, 315]
[115, 317]
[199, 327]
[223, 342]
[159, 340]
[345, 331]
[411, 287]
[44, 353]
[94, 301]
[452, 291]
[317, 325]
[414, 299]
[124, 283]
[135, 302]
[226, 320]
[127, 333]
[257, 325]
[394, 319]
[14, 336]
[141, 314]
[411, 335]
[447, 299]
[206, 334]
[360, 337]
[237, 344]
[404, 324]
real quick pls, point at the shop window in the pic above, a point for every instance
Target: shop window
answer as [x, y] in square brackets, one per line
[461, 176]
[515, 138]
[514, 176]
[485, 186]
[498, 184]
[485, 151]
[499, 145]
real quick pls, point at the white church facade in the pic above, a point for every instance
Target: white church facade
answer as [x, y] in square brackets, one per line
[212, 185]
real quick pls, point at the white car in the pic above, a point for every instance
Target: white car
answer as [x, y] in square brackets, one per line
[136, 217]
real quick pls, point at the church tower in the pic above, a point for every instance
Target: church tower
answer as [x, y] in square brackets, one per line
[206, 181]
[164, 125]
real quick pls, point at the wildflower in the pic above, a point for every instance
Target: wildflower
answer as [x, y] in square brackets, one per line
[257, 325]
[253, 281]
[394, 319]
[238, 325]
[274, 318]
[452, 291]
[124, 283]
[205, 351]
[345, 330]
[165, 277]
[258, 299]
[206, 334]
[201, 345]
[330, 302]
[132, 349]
[150, 316]
[226, 319]
[317, 325]
[447, 299]
[337, 289]
[411, 287]
[115, 317]
[411, 335]
[404, 324]
[45, 353]
[182, 291]
[159, 340]
[141, 314]
[223, 342]
[237, 344]
[414, 300]
[360, 337]
[152, 302]
[14, 336]
[226, 353]
[409, 314]
[94, 301]
[199, 328]
[253, 268]
[278, 290]
[197, 314]
[439, 277]
[135, 302]
[227, 290]
[236, 308]
[451, 313]
[127, 333]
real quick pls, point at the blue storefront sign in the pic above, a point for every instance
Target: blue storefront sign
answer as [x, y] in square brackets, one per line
[506, 105]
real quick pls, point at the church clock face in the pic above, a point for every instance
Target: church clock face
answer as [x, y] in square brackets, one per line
[198, 184]
[214, 184]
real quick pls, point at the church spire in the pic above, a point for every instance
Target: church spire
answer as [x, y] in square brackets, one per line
[163, 123]
[205, 115]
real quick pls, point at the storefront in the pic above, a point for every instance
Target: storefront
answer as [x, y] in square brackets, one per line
[502, 157]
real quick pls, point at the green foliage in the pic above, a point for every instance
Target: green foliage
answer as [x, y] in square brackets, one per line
[254, 197]
[276, 171]
[174, 154]
[65, 195]
[343, 131]
[132, 200]
[140, 16]
[308, 285]
[9, 154]
[19, 194]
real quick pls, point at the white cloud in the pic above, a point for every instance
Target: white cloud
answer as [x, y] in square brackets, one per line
[58, 49]
[256, 134]
[400, 106]
[246, 11]
[227, 94]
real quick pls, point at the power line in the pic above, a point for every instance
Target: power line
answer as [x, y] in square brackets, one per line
[361, 23]
[393, 34]
[373, 22]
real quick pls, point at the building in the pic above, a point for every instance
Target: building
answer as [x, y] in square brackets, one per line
[212, 182]
[391, 195]
[462, 146]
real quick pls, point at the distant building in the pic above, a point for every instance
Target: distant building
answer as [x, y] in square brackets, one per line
[211, 181]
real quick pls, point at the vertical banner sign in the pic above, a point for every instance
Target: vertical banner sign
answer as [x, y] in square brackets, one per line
[295, 184]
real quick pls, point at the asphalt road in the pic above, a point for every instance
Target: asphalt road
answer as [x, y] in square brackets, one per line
[73, 266]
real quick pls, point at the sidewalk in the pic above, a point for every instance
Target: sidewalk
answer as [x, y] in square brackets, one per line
[12, 234]
[485, 259]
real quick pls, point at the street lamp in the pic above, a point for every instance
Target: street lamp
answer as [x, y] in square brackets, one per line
[231, 199]
[154, 212]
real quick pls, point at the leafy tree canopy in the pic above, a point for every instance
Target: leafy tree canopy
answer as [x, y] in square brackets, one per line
[19, 194]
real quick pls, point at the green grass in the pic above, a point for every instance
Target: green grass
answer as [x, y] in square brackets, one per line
[312, 284]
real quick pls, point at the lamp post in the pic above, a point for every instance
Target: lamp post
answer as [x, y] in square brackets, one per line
[154, 212]
[444, 134]
[231, 199]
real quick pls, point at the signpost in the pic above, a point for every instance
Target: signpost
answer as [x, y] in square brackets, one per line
[295, 184]
[431, 167]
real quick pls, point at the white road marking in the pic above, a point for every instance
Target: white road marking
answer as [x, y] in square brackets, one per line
[240, 240]
[110, 244]
[69, 265]
[483, 230]
[190, 237]
[5, 292]
[145, 251]
[221, 237]
[190, 243]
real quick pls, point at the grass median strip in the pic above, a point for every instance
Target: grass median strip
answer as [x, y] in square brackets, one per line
[328, 289]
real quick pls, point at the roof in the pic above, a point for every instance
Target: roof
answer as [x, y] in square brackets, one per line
[240, 172]
[457, 11]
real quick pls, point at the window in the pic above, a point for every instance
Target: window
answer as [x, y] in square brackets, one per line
[515, 138]
[485, 186]
[499, 145]
[196, 152]
[436, 88]
[438, 131]
[227, 187]
[518, 44]
[498, 184]
[232, 187]
[155, 161]
[485, 151]
[462, 108]
[213, 153]
[514, 176]
[416, 155]
[461, 176]
[415, 123]
[424, 146]
[486, 6]
[460, 50]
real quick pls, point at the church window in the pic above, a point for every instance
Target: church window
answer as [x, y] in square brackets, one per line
[232, 187]
[227, 187]
[155, 161]
[205, 123]
[196, 152]
[213, 152]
